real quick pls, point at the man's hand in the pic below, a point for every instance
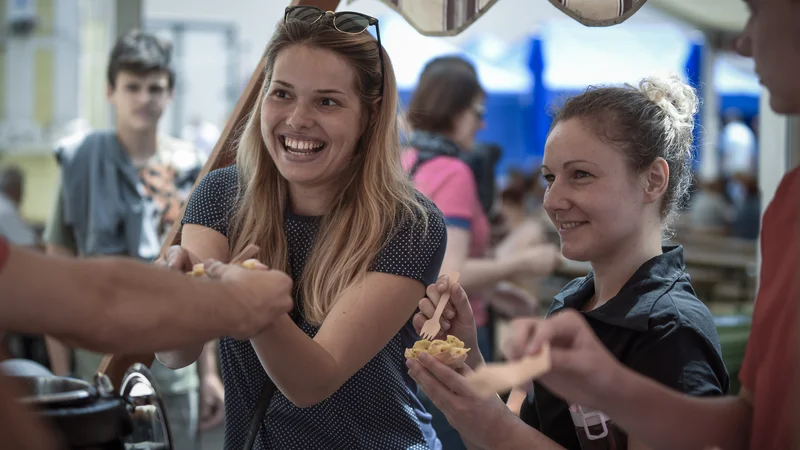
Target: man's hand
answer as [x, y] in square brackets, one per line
[212, 402]
[176, 258]
[583, 371]
[263, 294]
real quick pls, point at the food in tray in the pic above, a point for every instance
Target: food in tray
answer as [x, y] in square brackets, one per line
[451, 351]
[199, 270]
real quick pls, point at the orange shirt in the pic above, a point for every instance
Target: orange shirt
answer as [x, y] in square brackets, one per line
[769, 367]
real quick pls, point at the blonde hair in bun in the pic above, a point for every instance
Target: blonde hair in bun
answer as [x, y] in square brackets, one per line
[654, 120]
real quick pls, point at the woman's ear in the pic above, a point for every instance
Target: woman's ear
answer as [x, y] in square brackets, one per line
[655, 180]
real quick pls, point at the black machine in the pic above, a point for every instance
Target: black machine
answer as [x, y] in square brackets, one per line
[91, 416]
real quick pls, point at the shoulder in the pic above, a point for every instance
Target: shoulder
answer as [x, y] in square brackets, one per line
[78, 145]
[787, 191]
[432, 214]
[679, 308]
[419, 221]
[220, 182]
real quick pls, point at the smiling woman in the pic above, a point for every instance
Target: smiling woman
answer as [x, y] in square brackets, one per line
[319, 187]
[617, 166]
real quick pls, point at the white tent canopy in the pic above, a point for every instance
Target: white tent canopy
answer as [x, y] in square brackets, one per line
[410, 51]
[576, 56]
[734, 74]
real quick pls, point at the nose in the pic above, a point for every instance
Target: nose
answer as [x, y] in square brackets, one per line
[744, 43]
[300, 117]
[555, 199]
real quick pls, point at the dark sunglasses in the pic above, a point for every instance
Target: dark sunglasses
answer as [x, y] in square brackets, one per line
[344, 21]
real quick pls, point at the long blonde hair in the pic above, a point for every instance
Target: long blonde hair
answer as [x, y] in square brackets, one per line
[375, 197]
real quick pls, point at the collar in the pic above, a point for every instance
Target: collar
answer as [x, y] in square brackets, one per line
[632, 307]
[434, 144]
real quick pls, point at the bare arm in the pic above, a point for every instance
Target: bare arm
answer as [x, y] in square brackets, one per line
[362, 322]
[99, 303]
[476, 273]
[722, 422]
[204, 243]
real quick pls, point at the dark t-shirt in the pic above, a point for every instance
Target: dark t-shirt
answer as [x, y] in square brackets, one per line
[655, 325]
[377, 407]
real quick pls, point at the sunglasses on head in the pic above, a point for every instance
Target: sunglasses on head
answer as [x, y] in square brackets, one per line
[344, 21]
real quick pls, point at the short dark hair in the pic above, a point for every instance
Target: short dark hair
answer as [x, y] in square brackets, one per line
[653, 120]
[447, 87]
[140, 53]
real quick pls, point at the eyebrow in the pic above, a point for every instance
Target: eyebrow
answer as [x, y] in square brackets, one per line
[319, 91]
[572, 162]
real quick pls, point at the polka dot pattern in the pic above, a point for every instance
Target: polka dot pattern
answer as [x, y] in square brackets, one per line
[377, 408]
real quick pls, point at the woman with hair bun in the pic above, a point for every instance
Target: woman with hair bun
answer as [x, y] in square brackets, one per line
[618, 165]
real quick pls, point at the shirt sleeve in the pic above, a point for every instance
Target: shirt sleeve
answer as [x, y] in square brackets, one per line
[213, 201]
[56, 231]
[456, 194]
[681, 358]
[415, 251]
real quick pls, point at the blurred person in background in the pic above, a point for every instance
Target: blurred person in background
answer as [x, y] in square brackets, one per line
[18, 231]
[747, 221]
[445, 113]
[12, 226]
[710, 210]
[120, 192]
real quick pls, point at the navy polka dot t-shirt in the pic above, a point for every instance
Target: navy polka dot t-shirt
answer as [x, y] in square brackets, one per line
[377, 408]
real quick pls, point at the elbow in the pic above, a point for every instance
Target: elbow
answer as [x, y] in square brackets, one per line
[308, 396]
[178, 359]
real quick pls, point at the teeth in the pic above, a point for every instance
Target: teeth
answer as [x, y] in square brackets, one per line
[570, 225]
[302, 145]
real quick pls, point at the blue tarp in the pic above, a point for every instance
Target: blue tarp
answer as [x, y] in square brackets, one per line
[524, 80]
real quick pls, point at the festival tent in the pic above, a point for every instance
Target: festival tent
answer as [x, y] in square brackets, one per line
[508, 86]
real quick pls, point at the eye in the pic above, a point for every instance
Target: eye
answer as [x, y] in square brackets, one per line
[549, 178]
[581, 174]
[280, 93]
[329, 102]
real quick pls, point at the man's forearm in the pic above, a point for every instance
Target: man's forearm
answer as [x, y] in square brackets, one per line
[98, 304]
[665, 419]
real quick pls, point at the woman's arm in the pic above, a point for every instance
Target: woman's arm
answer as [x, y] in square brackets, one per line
[361, 323]
[309, 370]
[204, 243]
[476, 273]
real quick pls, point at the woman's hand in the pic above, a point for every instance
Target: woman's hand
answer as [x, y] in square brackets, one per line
[478, 419]
[457, 318]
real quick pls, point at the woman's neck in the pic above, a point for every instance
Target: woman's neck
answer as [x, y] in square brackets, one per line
[611, 274]
[310, 200]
